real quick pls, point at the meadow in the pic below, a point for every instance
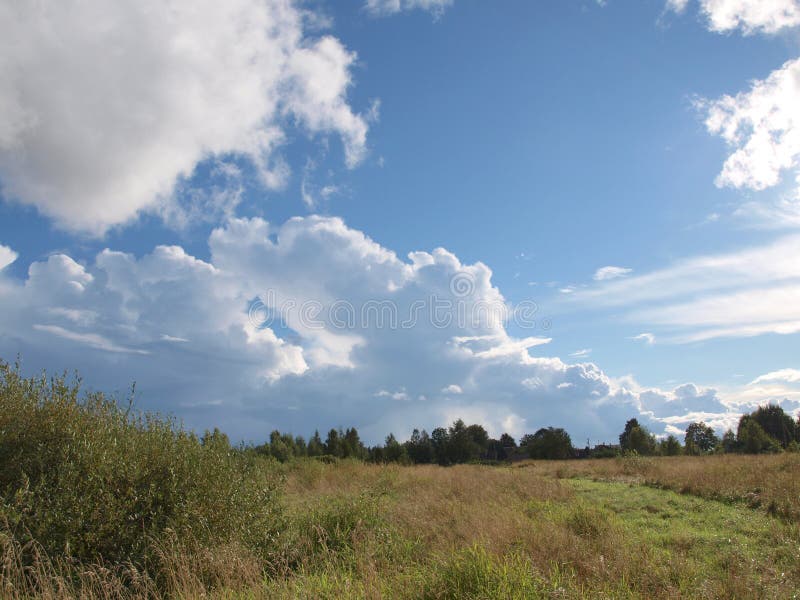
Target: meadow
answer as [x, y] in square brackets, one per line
[101, 503]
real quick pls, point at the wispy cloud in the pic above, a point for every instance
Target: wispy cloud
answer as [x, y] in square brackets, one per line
[611, 272]
[90, 339]
[738, 294]
[647, 338]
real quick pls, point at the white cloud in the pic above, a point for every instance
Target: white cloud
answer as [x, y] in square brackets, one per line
[610, 272]
[583, 353]
[647, 338]
[90, 339]
[751, 16]
[392, 7]
[106, 106]
[7, 256]
[750, 292]
[763, 128]
[677, 5]
[184, 330]
[782, 375]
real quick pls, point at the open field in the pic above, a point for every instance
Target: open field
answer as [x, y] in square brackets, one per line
[353, 530]
[97, 502]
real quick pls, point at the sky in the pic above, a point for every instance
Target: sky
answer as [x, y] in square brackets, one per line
[394, 213]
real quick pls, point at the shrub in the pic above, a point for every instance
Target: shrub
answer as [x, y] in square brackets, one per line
[90, 481]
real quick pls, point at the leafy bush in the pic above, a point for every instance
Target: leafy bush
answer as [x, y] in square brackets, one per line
[90, 481]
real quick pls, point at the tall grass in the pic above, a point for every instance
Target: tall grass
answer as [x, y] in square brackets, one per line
[83, 480]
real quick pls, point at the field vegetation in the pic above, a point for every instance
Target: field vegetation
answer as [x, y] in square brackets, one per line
[97, 501]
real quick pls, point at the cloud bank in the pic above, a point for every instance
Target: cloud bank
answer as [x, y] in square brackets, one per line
[186, 331]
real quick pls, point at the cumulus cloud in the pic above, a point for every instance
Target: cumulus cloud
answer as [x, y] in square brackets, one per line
[384, 8]
[309, 324]
[610, 272]
[7, 256]
[106, 106]
[763, 128]
[751, 16]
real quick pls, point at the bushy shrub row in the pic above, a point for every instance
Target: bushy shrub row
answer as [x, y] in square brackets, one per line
[87, 479]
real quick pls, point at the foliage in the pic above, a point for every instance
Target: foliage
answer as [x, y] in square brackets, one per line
[776, 424]
[84, 478]
[636, 438]
[548, 443]
[752, 439]
[700, 439]
[670, 446]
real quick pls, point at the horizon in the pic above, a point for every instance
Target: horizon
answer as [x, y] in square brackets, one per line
[397, 213]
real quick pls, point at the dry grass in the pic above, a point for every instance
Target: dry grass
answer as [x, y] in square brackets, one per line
[354, 530]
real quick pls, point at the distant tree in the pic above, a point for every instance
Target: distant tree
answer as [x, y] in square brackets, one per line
[393, 450]
[420, 447]
[752, 439]
[776, 423]
[636, 438]
[729, 441]
[507, 441]
[670, 446]
[376, 454]
[351, 444]
[215, 439]
[549, 443]
[300, 448]
[466, 443]
[333, 444]
[625, 436]
[315, 445]
[440, 440]
[700, 439]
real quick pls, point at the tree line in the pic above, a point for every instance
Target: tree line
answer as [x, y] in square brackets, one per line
[767, 429]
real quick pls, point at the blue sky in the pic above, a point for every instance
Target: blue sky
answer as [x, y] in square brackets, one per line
[163, 170]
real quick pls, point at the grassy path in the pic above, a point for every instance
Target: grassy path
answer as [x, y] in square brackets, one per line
[699, 539]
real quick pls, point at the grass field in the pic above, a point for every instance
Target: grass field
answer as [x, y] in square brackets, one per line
[99, 503]
[604, 528]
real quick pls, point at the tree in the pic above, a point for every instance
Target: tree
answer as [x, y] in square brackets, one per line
[420, 447]
[776, 423]
[507, 441]
[752, 439]
[670, 446]
[315, 445]
[636, 438]
[351, 444]
[440, 440]
[466, 443]
[300, 447]
[216, 439]
[393, 451]
[333, 444]
[729, 441]
[700, 439]
[549, 443]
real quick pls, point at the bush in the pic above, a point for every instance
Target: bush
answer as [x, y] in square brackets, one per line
[90, 481]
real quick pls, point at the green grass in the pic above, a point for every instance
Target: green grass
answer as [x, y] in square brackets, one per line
[705, 539]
